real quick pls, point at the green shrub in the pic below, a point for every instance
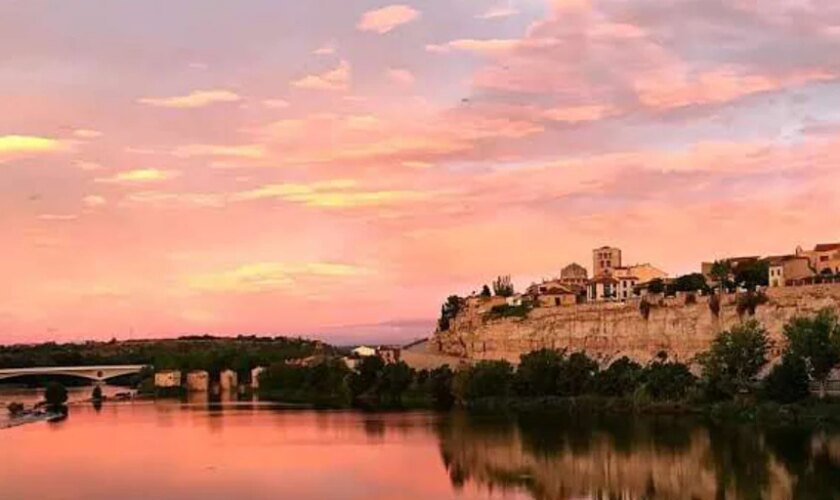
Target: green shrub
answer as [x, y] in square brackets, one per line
[620, 379]
[489, 379]
[667, 381]
[736, 356]
[577, 375]
[787, 382]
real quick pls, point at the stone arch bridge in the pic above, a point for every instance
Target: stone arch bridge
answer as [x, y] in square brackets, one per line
[95, 373]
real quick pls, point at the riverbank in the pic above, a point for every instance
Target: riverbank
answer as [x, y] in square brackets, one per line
[810, 412]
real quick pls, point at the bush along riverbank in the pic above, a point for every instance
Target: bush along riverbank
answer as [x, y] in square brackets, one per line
[728, 387]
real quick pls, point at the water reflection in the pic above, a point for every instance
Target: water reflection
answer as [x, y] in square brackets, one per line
[560, 458]
[226, 447]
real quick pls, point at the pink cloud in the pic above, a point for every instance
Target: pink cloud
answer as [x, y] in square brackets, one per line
[387, 18]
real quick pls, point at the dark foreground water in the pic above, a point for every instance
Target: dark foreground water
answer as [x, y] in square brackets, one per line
[178, 450]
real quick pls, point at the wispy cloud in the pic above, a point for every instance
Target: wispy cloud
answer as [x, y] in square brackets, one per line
[270, 276]
[58, 217]
[93, 201]
[325, 50]
[195, 99]
[490, 46]
[249, 151]
[387, 18]
[336, 79]
[141, 176]
[20, 145]
[401, 76]
[498, 12]
[340, 193]
[276, 103]
[84, 133]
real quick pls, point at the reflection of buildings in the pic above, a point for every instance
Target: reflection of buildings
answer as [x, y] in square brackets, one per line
[635, 458]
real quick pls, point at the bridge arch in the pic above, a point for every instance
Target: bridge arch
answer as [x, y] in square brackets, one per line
[93, 373]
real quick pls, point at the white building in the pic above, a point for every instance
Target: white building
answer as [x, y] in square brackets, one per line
[364, 351]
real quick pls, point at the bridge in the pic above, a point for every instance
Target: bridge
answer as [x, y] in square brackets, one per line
[95, 373]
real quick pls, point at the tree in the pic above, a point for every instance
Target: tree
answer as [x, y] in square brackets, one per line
[721, 271]
[448, 311]
[489, 379]
[753, 274]
[538, 371]
[577, 375]
[731, 365]
[816, 340]
[55, 394]
[502, 286]
[441, 387]
[656, 285]
[667, 381]
[485, 291]
[691, 283]
[394, 381]
[620, 379]
[366, 375]
[787, 382]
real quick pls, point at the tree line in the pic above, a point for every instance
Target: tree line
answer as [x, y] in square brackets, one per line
[731, 370]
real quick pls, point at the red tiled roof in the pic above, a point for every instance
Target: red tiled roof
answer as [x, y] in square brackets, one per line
[827, 247]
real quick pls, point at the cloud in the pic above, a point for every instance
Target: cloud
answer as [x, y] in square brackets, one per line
[340, 193]
[675, 89]
[195, 99]
[87, 133]
[87, 165]
[58, 217]
[93, 201]
[484, 47]
[325, 50]
[141, 176]
[387, 18]
[498, 12]
[400, 76]
[248, 151]
[14, 146]
[577, 114]
[270, 276]
[337, 79]
[276, 103]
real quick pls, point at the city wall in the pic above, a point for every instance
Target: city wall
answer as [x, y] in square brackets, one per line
[610, 330]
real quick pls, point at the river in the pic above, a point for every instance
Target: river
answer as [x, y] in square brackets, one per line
[198, 449]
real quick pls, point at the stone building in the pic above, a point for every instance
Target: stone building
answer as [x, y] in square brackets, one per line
[167, 379]
[824, 258]
[557, 295]
[605, 260]
[602, 287]
[574, 274]
[784, 268]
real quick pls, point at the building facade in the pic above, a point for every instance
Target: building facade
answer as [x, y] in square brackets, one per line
[785, 268]
[574, 274]
[824, 258]
[605, 260]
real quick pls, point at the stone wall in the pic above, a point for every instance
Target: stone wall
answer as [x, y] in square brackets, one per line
[611, 330]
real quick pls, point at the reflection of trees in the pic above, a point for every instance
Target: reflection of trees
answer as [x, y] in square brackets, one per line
[634, 458]
[812, 461]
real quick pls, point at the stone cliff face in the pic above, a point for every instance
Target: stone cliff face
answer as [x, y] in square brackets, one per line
[610, 330]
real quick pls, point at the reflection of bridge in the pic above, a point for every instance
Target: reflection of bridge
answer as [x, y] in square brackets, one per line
[95, 373]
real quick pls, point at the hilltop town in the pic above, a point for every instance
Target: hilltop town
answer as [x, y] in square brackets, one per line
[637, 310]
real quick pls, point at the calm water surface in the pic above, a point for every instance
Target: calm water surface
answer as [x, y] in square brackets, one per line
[250, 450]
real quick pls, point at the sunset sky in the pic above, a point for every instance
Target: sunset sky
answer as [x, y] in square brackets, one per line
[338, 167]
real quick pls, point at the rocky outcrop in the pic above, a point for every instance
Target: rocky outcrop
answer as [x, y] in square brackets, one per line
[680, 327]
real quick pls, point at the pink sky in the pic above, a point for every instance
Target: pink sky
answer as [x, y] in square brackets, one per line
[298, 167]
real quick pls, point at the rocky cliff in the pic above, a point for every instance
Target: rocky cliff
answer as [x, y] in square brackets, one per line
[611, 330]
